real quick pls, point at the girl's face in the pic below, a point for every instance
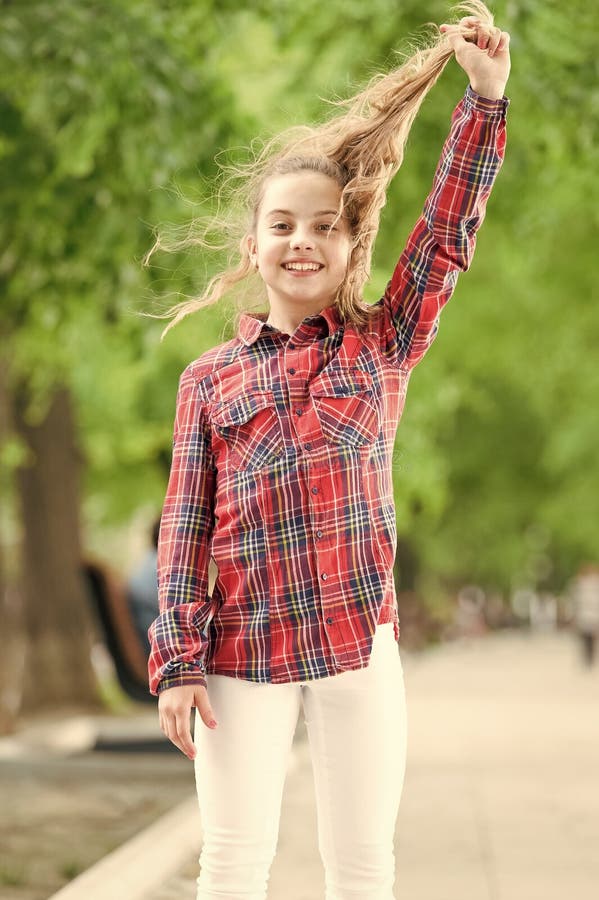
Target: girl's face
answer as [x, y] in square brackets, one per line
[300, 256]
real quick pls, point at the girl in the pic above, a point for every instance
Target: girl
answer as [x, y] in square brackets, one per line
[281, 473]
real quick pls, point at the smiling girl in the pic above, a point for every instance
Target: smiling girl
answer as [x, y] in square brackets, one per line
[281, 473]
[299, 244]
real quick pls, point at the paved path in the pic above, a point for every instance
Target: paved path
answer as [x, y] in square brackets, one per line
[501, 797]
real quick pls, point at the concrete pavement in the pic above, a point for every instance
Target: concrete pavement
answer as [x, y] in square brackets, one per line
[501, 800]
[501, 796]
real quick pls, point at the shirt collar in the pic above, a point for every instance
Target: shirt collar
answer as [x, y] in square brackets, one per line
[252, 325]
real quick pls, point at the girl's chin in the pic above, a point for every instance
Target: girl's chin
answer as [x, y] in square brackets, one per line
[303, 290]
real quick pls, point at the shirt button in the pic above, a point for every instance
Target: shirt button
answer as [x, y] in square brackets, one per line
[319, 533]
[314, 490]
[324, 576]
[308, 446]
[298, 412]
[291, 371]
[291, 346]
[329, 621]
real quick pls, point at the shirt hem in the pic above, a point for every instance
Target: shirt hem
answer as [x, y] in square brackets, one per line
[282, 676]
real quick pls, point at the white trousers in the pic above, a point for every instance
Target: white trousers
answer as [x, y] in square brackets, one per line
[357, 728]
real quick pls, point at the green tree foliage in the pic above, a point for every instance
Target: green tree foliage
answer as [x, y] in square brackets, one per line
[516, 349]
[112, 113]
[495, 470]
[105, 109]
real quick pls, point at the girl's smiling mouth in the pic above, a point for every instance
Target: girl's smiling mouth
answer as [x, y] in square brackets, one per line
[302, 268]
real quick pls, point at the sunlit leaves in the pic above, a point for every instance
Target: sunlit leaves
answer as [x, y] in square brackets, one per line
[111, 114]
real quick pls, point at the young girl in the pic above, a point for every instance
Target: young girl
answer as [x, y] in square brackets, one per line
[281, 473]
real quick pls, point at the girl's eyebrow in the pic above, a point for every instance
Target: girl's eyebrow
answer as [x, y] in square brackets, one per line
[286, 212]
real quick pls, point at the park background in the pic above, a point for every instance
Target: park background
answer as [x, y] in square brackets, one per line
[111, 116]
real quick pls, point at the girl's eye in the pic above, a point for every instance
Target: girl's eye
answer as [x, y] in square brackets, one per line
[284, 226]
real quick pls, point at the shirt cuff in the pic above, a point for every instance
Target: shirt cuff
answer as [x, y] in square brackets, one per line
[478, 103]
[171, 681]
[184, 674]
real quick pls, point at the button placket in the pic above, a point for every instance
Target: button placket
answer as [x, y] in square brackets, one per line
[299, 405]
[318, 506]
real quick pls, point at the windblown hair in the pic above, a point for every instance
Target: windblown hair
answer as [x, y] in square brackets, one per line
[361, 148]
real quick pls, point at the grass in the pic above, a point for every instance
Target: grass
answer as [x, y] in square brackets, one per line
[13, 874]
[70, 869]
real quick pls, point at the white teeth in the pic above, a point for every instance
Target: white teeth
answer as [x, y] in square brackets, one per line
[303, 267]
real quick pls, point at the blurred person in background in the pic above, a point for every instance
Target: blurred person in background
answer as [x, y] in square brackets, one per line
[142, 590]
[584, 593]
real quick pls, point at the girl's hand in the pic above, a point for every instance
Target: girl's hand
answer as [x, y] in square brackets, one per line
[484, 55]
[174, 710]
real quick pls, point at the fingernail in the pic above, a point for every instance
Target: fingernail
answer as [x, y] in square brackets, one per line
[213, 723]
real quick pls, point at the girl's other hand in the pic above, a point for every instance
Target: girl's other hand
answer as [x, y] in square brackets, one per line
[174, 711]
[484, 54]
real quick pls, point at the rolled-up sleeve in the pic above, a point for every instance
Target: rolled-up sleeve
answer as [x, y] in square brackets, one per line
[178, 643]
[442, 242]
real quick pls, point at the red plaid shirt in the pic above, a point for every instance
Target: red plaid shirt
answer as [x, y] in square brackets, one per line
[281, 467]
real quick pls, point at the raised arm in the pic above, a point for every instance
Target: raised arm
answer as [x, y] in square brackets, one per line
[442, 242]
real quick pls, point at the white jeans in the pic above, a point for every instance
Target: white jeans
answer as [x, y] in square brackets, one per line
[357, 729]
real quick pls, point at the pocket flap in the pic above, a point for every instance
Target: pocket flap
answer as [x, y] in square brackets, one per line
[341, 383]
[241, 409]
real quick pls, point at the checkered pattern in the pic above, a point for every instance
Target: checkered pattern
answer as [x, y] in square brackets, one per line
[281, 467]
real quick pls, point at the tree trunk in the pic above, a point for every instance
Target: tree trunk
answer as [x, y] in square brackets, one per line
[11, 626]
[57, 616]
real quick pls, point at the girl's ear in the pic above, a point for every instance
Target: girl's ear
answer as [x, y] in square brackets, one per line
[252, 249]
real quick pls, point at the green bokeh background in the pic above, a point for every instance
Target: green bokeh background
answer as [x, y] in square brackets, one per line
[110, 118]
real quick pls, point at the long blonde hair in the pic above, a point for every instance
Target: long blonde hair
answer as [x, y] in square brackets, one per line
[361, 148]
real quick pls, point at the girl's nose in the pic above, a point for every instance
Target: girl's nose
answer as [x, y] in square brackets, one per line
[301, 241]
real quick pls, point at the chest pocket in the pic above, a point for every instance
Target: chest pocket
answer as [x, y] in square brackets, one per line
[247, 430]
[346, 407]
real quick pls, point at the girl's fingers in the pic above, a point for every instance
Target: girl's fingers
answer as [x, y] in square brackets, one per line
[183, 731]
[458, 29]
[467, 20]
[502, 44]
[175, 725]
[491, 39]
[494, 41]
